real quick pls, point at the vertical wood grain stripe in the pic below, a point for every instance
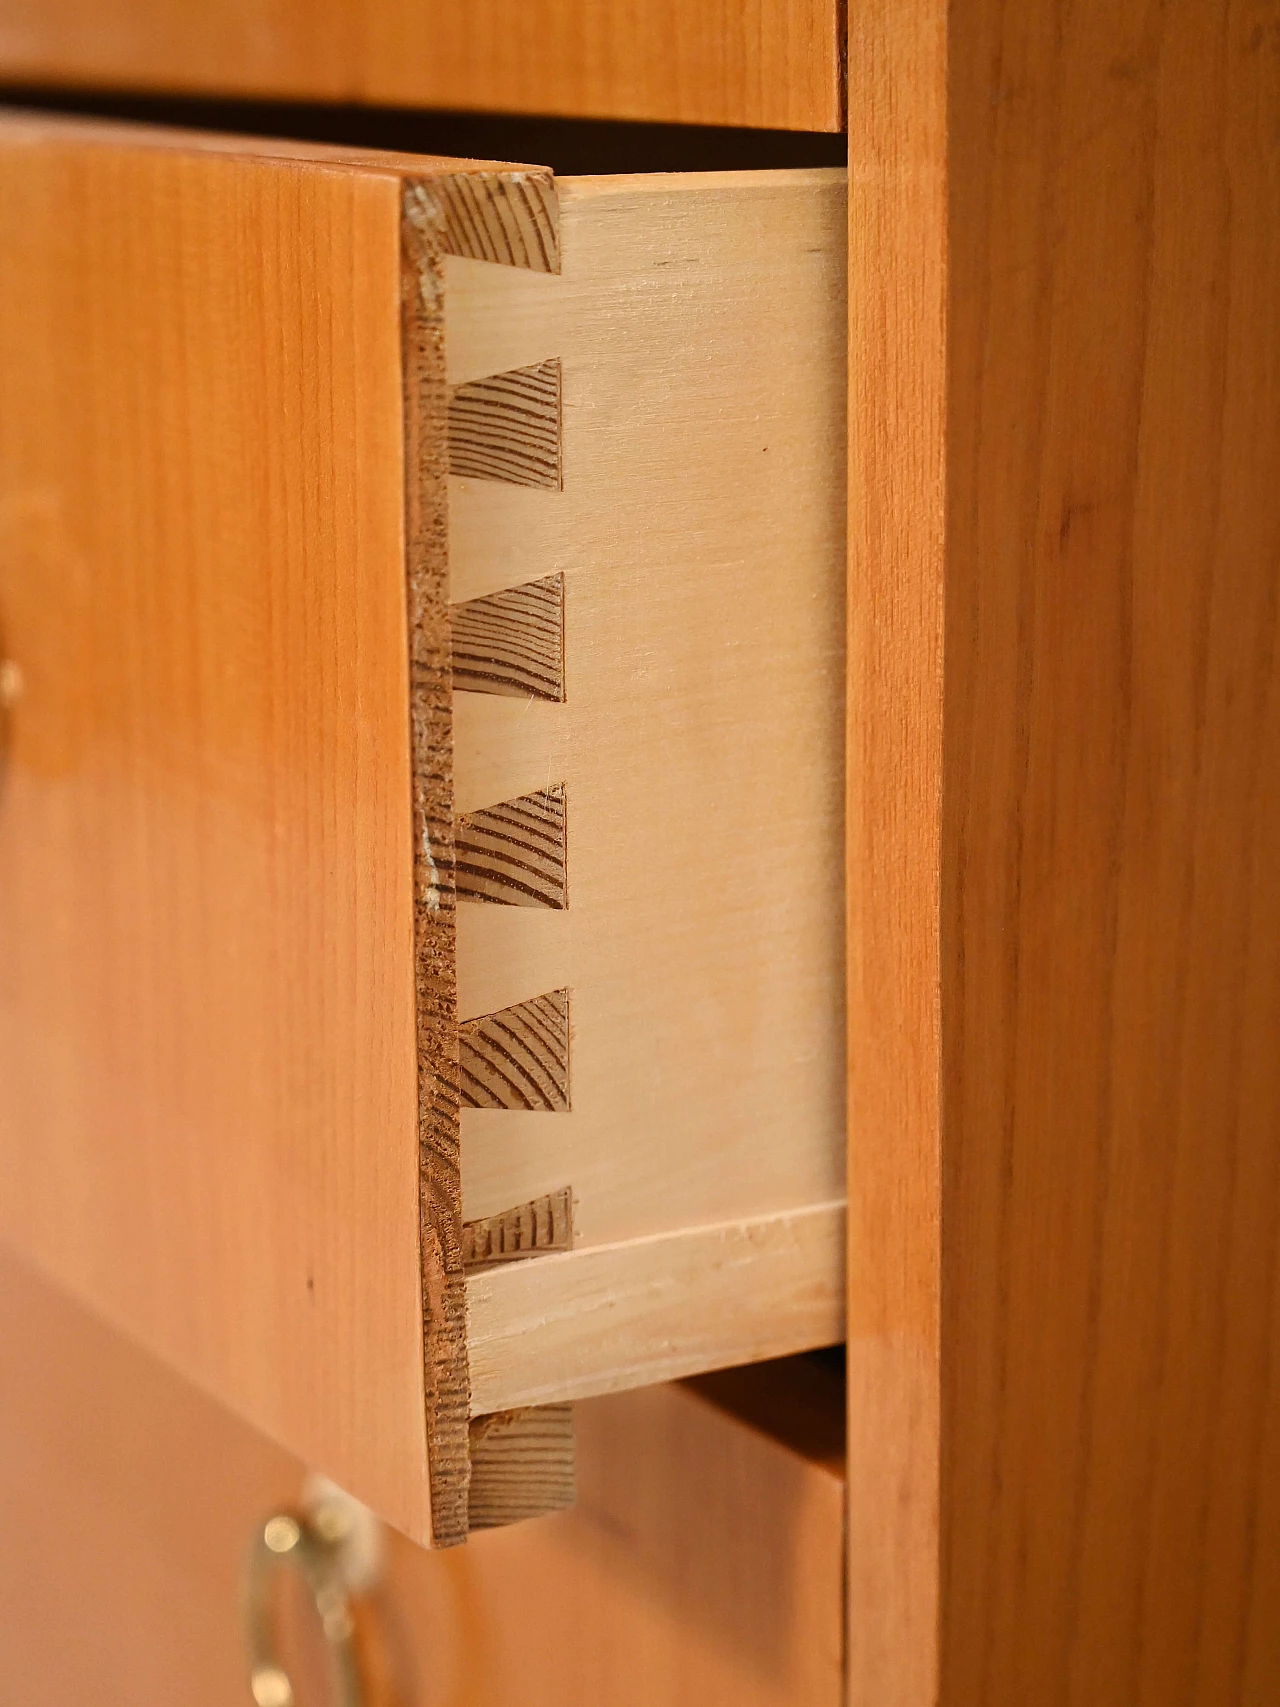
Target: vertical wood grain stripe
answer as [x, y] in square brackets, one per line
[508, 217]
[530, 1229]
[507, 427]
[512, 642]
[521, 1464]
[446, 1389]
[514, 854]
[518, 1057]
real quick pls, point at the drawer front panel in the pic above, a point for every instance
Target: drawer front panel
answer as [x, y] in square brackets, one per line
[206, 1004]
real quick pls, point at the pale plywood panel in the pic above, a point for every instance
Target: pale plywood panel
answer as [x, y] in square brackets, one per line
[772, 63]
[700, 538]
[596, 1321]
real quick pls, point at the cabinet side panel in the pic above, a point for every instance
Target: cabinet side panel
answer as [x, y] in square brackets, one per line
[208, 1120]
[1111, 1478]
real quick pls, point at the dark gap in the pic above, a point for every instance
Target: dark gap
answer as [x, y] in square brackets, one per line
[568, 146]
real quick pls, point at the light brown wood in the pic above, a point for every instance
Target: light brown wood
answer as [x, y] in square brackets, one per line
[703, 1562]
[600, 1318]
[211, 1121]
[546, 1224]
[772, 63]
[518, 1058]
[1065, 1447]
[897, 494]
[207, 1041]
[514, 854]
[521, 1466]
[699, 534]
[507, 427]
[512, 642]
[243, 766]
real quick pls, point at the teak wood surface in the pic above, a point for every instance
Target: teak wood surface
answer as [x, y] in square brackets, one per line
[702, 1564]
[764, 63]
[1064, 855]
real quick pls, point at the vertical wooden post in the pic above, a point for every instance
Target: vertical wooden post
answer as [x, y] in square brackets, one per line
[1065, 853]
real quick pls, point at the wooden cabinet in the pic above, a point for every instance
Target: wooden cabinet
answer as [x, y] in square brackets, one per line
[422, 590]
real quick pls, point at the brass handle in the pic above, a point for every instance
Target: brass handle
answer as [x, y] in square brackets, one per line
[291, 1541]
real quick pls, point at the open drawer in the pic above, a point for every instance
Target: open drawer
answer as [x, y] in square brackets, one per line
[421, 613]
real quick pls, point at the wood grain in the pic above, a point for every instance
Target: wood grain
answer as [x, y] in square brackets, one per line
[700, 535]
[518, 1058]
[1079, 1335]
[161, 812]
[600, 1318]
[521, 1465]
[530, 1229]
[512, 642]
[702, 1564]
[506, 426]
[205, 848]
[514, 854]
[509, 217]
[897, 495]
[772, 63]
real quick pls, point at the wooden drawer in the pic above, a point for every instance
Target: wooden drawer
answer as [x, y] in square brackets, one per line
[761, 62]
[702, 1566]
[421, 592]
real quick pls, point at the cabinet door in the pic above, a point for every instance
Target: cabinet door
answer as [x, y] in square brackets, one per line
[420, 831]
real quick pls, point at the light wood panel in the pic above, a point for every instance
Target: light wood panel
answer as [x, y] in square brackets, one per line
[600, 1318]
[702, 1564]
[1064, 1440]
[699, 535]
[772, 63]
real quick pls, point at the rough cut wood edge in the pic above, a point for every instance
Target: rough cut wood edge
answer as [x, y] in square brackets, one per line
[508, 218]
[513, 854]
[435, 973]
[512, 642]
[602, 1318]
[506, 427]
[529, 1230]
[522, 1465]
[518, 1057]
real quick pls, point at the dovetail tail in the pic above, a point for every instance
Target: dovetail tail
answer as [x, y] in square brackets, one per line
[529, 1230]
[507, 427]
[521, 1464]
[514, 853]
[508, 217]
[517, 1057]
[511, 642]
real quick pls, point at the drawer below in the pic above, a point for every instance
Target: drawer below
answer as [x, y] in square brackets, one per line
[704, 1562]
